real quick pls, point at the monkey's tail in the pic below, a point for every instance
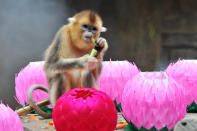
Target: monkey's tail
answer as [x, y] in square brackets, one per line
[33, 104]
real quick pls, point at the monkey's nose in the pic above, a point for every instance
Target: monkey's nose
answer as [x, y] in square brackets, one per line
[88, 34]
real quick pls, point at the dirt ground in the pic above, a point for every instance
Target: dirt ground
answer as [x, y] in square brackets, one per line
[189, 123]
[42, 124]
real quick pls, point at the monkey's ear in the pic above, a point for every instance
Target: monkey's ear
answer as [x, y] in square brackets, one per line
[103, 29]
[71, 20]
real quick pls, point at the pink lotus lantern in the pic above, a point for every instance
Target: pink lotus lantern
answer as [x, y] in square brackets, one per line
[114, 76]
[9, 120]
[152, 99]
[84, 109]
[185, 72]
[32, 74]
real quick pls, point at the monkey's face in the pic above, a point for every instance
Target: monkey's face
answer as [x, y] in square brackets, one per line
[89, 31]
[85, 25]
[85, 31]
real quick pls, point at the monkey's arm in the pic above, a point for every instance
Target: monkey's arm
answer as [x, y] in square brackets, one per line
[102, 46]
[67, 64]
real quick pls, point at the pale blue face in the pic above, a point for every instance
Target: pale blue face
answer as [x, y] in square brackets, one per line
[89, 28]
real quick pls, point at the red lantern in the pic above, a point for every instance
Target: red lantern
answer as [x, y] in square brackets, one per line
[84, 109]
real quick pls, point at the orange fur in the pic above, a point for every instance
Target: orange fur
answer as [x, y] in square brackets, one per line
[76, 33]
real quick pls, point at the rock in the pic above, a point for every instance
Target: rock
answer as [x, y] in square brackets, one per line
[189, 123]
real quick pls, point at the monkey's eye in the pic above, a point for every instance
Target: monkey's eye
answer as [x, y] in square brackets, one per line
[94, 30]
[84, 27]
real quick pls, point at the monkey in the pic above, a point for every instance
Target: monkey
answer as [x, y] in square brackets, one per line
[68, 64]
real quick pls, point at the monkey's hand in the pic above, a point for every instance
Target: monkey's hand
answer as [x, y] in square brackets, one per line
[102, 43]
[103, 46]
[90, 62]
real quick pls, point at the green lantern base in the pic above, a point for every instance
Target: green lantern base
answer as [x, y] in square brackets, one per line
[118, 106]
[192, 108]
[132, 127]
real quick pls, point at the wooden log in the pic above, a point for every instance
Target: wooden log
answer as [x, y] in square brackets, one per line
[27, 109]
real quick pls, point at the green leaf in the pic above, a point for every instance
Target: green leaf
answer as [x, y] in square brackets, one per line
[192, 108]
[118, 106]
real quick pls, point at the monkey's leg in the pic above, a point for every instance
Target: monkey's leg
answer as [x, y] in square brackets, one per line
[33, 104]
[89, 80]
[56, 87]
[97, 71]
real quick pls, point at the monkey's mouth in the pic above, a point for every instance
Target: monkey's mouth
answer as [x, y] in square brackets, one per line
[87, 38]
